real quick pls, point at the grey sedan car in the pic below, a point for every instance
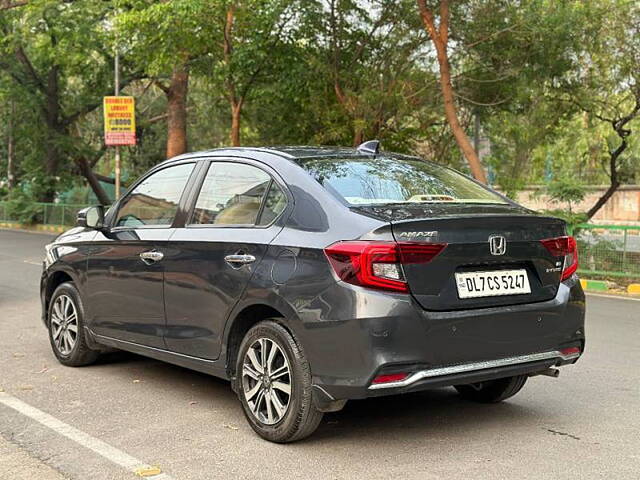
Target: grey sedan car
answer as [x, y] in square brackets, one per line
[311, 276]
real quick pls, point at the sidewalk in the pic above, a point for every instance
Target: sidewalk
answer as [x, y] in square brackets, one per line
[17, 464]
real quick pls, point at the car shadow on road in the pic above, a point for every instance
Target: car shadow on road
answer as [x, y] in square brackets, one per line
[424, 414]
[430, 413]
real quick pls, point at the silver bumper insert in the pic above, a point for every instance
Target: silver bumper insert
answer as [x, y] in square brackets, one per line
[470, 367]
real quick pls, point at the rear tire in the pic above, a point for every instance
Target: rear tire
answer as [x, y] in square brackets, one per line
[271, 363]
[492, 391]
[65, 319]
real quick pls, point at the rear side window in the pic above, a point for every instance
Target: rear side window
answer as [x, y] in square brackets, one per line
[274, 204]
[154, 202]
[232, 194]
[393, 180]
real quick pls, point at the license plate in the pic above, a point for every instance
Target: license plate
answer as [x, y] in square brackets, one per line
[492, 284]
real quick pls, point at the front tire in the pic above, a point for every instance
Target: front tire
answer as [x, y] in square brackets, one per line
[492, 391]
[273, 381]
[65, 320]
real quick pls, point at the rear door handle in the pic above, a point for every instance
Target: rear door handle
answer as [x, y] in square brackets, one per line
[151, 257]
[239, 259]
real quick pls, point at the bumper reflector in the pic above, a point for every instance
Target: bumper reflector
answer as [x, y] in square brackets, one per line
[570, 351]
[392, 377]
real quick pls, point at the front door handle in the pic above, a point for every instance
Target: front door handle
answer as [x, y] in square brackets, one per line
[239, 259]
[151, 257]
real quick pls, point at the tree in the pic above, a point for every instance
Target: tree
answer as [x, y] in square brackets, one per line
[368, 53]
[606, 86]
[168, 39]
[54, 54]
[253, 32]
[439, 35]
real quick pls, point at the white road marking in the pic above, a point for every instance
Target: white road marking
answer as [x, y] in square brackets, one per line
[617, 297]
[98, 446]
[39, 264]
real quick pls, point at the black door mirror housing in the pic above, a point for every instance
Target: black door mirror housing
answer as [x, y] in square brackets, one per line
[91, 217]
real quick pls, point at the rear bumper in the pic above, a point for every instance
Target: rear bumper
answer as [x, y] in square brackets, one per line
[478, 371]
[392, 334]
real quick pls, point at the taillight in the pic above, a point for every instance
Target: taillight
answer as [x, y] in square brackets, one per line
[566, 247]
[378, 264]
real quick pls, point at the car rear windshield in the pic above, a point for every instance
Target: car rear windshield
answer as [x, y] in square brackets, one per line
[387, 180]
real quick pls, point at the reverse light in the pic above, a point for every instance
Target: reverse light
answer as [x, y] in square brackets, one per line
[566, 247]
[378, 264]
[392, 377]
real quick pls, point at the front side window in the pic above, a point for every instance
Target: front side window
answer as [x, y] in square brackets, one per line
[154, 202]
[395, 180]
[232, 194]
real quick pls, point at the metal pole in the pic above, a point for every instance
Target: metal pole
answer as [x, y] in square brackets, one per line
[624, 251]
[117, 91]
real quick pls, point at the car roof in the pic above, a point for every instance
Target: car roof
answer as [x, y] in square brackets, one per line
[291, 153]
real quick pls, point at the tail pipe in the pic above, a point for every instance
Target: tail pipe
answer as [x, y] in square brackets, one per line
[549, 372]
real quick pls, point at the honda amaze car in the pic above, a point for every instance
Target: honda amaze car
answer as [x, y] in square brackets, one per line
[312, 276]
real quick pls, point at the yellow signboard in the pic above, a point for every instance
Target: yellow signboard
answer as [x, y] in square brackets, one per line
[119, 121]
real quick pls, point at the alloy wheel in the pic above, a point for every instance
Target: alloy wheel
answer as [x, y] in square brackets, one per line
[64, 324]
[266, 381]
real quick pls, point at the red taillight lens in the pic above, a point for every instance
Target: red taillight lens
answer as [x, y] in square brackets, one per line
[566, 247]
[392, 377]
[378, 264]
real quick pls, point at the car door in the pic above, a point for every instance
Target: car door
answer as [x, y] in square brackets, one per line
[124, 270]
[212, 258]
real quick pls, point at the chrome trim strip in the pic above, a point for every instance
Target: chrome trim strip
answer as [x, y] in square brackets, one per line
[470, 367]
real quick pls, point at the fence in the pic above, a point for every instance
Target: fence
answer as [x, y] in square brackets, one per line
[609, 250]
[40, 213]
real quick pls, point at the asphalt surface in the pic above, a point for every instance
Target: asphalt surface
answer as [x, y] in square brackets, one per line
[584, 424]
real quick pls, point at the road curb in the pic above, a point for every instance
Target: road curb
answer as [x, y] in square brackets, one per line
[596, 285]
[610, 288]
[34, 228]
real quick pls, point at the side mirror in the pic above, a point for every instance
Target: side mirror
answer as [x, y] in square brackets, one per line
[91, 217]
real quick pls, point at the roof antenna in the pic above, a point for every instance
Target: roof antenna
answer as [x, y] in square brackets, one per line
[372, 147]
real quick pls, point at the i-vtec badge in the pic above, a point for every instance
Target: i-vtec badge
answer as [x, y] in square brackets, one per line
[419, 235]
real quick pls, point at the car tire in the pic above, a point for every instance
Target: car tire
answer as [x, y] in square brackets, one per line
[492, 391]
[269, 348]
[65, 320]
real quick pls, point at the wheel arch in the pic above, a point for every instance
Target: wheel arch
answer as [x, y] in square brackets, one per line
[54, 280]
[244, 317]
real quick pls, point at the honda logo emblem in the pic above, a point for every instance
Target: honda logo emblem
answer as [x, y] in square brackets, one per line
[497, 245]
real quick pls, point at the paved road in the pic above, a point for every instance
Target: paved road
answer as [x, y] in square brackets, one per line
[582, 425]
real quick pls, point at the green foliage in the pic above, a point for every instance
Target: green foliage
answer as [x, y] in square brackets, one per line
[565, 190]
[539, 75]
[573, 219]
[22, 208]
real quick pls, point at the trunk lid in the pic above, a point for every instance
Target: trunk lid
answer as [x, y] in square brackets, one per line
[433, 284]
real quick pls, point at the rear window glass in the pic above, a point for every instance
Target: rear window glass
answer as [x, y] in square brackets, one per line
[385, 180]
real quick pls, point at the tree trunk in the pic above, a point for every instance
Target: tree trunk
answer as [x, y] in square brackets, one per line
[11, 174]
[619, 125]
[602, 200]
[613, 176]
[236, 117]
[93, 181]
[55, 131]
[235, 100]
[177, 111]
[358, 136]
[440, 38]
